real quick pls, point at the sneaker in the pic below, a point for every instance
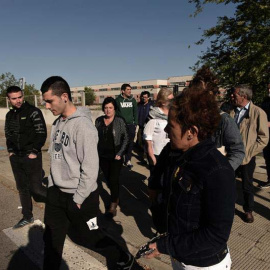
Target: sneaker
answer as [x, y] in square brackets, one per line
[129, 165]
[265, 185]
[125, 264]
[23, 222]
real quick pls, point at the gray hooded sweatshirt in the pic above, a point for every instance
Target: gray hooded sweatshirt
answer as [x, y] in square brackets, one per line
[74, 156]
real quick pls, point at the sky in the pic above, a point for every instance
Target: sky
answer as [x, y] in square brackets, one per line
[102, 41]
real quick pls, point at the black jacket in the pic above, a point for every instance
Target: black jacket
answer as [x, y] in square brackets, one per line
[25, 130]
[199, 191]
[120, 134]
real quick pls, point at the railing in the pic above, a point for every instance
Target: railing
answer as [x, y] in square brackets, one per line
[36, 100]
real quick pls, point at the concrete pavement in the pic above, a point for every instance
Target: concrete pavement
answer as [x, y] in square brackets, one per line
[132, 227]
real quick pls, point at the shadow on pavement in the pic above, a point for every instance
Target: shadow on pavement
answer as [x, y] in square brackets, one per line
[133, 199]
[258, 207]
[34, 250]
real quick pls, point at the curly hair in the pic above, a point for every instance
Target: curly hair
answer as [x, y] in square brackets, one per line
[196, 107]
[205, 78]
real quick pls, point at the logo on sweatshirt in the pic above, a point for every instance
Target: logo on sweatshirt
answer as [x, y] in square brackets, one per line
[63, 141]
[126, 104]
[57, 147]
[64, 138]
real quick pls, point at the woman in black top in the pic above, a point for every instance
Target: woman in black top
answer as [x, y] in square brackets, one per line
[113, 139]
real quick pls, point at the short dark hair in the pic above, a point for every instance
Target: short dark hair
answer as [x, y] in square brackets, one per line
[13, 89]
[145, 93]
[58, 86]
[124, 86]
[197, 107]
[108, 100]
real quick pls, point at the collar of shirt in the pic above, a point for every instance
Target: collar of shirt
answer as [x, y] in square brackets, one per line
[243, 108]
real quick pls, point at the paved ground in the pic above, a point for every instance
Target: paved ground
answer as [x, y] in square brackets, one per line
[132, 227]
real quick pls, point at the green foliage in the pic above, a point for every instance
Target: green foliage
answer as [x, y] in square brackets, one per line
[30, 89]
[6, 79]
[90, 96]
[29, 92]
[239, 50]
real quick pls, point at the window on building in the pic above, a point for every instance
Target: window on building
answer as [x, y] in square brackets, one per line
[115, 89]
[147, 86]
[178, 83]
[103, 89]
[101, 99]
[133, 87]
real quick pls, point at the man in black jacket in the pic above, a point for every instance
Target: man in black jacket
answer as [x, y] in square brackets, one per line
[26, 133]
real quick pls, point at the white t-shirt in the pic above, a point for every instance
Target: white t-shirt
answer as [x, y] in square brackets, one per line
[154, 131]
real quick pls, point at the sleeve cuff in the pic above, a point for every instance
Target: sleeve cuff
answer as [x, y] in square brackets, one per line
[34, 151]
[78, 199]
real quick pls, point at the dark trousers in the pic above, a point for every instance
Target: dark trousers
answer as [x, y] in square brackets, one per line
[247, 184]
[61, 212]
[28, 176]
[111, 169]
[131, 128]
[151, 165]
[140, 140]
[266, 154]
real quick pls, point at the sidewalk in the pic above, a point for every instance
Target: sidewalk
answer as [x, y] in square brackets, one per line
[132, 227]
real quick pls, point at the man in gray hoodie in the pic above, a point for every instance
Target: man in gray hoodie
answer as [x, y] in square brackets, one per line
[72, 189]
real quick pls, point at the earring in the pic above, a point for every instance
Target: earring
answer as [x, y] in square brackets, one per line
[65, 101]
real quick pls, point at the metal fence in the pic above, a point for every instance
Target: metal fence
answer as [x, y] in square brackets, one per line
[35, 100]
[82, 100]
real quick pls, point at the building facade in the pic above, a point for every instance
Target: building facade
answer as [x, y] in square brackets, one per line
[114, 89]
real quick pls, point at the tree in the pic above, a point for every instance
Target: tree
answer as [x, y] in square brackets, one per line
[239, 50]
[29, 93]
[90, 96]
[6, 79]
[30, 89]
